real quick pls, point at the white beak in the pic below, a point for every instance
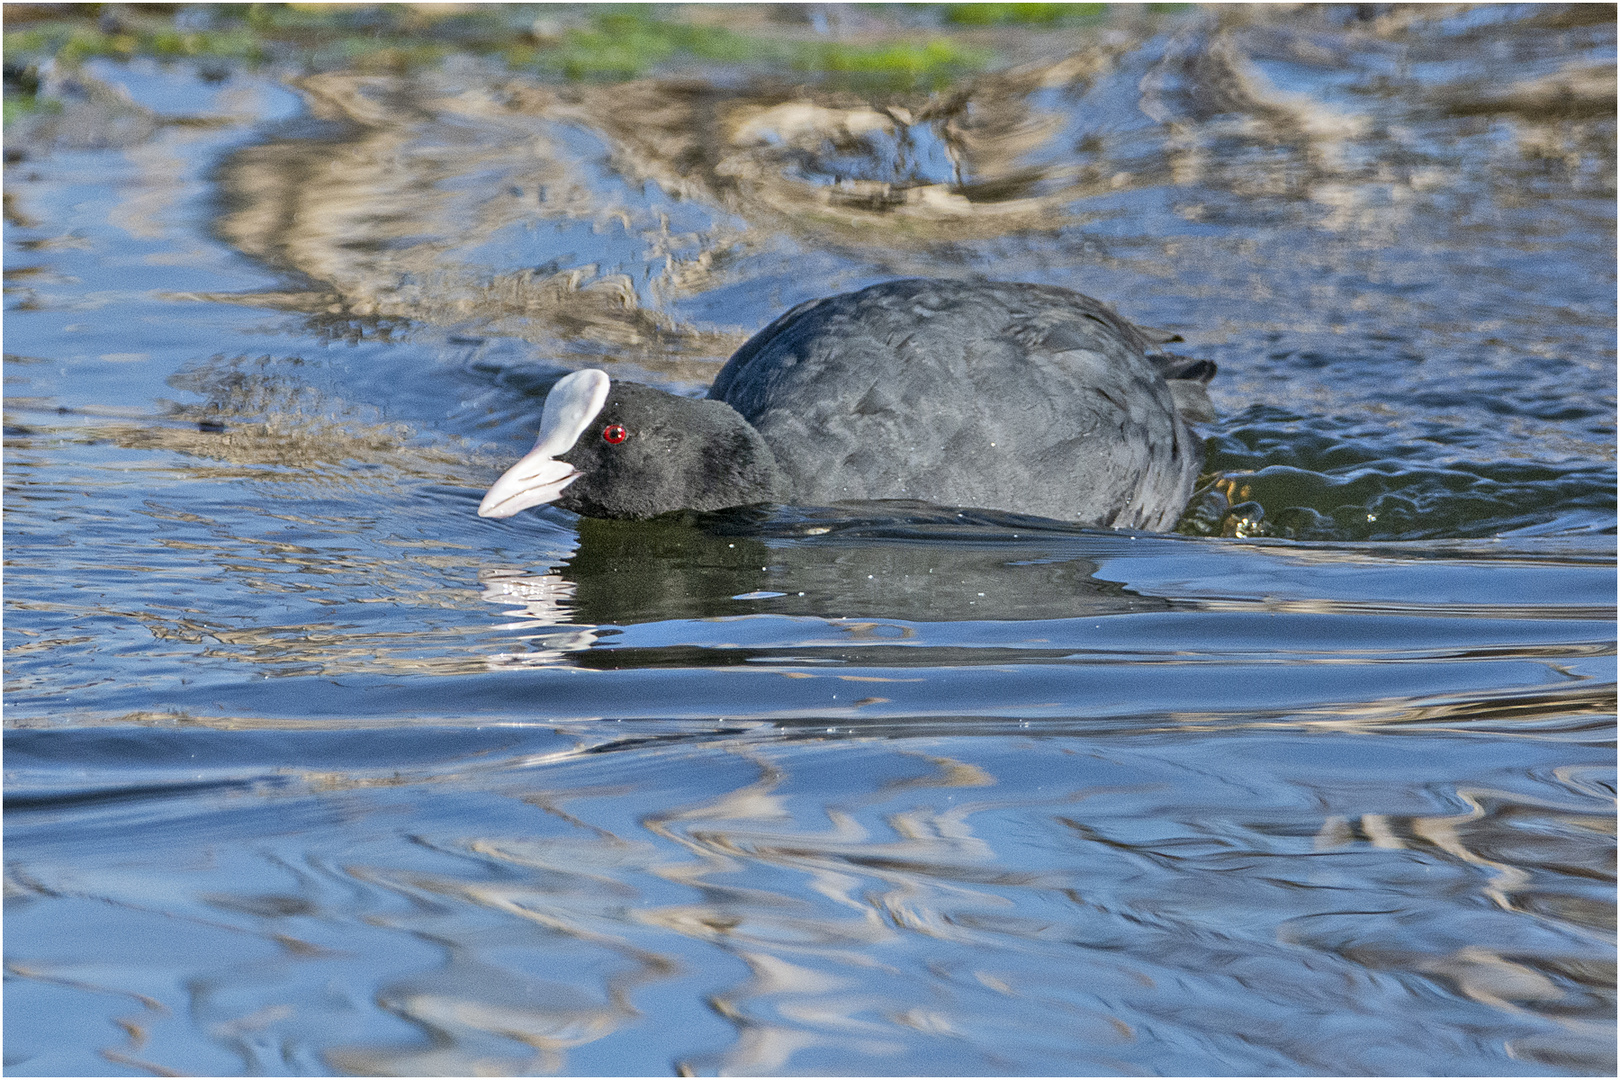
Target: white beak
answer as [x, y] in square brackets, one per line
[539, 477]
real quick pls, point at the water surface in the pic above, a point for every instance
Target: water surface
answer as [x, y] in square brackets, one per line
[310, 770]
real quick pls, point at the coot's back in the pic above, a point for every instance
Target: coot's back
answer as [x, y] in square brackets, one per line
[1027, 398]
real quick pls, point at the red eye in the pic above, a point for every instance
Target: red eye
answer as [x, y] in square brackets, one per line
[615, 434]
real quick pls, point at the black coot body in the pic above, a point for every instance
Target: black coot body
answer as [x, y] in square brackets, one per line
[1026, 398]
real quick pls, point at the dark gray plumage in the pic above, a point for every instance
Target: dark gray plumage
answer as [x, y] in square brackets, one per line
[1027, 398]
[1015, 397]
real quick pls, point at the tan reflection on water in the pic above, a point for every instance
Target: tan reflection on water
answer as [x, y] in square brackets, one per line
[1509, 836]
[281, 548]
[815, 979]
[382, 213]
[578, 888]
[381, 216]
[259, 419]
[539, 940]
[889, 887]
[567, 907]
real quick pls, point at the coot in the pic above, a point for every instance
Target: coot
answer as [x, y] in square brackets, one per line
[1027, 398]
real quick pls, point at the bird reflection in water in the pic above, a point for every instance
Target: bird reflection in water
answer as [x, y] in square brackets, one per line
[821, 564]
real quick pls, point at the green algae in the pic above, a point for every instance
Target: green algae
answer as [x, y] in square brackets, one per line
[1022, 14]
[584, 42]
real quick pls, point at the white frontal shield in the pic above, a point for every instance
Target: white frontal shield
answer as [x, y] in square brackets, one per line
[538, 477]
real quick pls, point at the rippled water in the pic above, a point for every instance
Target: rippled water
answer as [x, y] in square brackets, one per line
[309, 769]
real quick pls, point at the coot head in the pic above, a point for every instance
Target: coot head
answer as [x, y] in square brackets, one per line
[621, 450]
